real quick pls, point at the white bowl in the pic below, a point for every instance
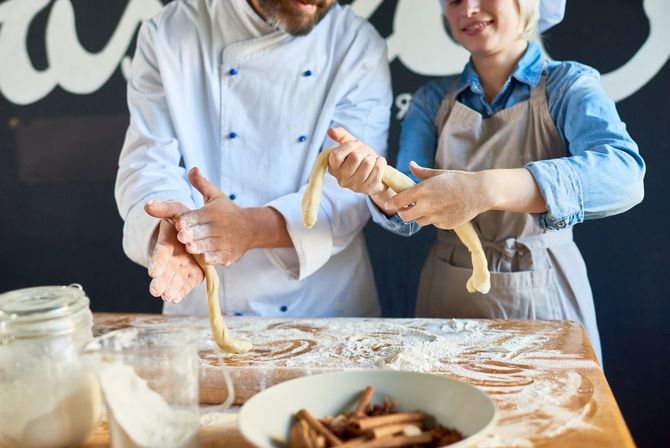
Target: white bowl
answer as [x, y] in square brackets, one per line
[266, 418]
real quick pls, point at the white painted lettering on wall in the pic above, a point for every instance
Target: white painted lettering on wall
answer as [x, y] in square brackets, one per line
[70, 65]
[414, 27]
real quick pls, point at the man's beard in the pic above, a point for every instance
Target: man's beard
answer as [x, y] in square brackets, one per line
[285, 15]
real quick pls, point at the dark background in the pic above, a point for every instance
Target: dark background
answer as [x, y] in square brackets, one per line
[59, 223]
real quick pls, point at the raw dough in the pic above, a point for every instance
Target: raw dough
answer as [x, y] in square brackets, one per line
[397, 181]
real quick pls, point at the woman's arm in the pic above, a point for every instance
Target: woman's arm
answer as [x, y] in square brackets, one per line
[603, 172]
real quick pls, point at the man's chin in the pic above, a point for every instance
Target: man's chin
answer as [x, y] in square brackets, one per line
[295, 17]
[299, 30]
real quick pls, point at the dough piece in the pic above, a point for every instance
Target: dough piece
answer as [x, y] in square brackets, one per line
[480, 280]
[311, 198]
[220, 332]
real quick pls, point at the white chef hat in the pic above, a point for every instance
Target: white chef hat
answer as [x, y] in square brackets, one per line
[551, 13]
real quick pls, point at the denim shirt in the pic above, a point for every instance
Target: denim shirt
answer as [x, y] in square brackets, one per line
[601, 175]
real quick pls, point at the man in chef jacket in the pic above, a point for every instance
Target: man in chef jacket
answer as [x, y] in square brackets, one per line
[245, 90]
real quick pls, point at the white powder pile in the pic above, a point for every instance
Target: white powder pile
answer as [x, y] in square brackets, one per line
[38, 412]
[141, 417]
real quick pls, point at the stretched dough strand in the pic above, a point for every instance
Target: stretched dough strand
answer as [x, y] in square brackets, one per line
[220, 332]
[480, 280]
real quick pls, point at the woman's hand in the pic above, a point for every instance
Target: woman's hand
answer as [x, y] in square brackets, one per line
[445, 199]
[358, 167]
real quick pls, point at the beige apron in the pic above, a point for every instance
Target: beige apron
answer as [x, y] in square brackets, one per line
[534, 274]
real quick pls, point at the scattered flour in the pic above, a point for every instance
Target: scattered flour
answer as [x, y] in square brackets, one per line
[537, 400]
[539, 391]
[458, 325]
[549, 408]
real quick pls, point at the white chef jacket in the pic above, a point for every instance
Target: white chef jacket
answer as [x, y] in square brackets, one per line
[213, 86]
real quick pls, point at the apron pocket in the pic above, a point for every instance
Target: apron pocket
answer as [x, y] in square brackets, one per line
[513, 295]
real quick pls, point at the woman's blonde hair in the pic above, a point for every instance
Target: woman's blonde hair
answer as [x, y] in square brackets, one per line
[529, 11]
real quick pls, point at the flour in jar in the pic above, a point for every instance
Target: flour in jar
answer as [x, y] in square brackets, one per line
[38, 413]
[141, 417]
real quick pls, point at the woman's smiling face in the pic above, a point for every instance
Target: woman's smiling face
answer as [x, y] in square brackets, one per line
[485, 27]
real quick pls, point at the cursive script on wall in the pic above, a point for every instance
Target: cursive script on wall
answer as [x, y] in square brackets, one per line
[70, 65]
[414, 26]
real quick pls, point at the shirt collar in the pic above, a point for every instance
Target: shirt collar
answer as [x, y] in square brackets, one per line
[250, 19]
[528, 70]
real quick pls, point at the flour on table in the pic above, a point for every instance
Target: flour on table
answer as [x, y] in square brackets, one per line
[537, 387]
[458, 325]
[546, 409]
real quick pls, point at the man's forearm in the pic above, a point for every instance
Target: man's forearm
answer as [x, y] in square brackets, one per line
[268, 227]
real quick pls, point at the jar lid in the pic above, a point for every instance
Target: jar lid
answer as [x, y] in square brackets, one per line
[42, 310]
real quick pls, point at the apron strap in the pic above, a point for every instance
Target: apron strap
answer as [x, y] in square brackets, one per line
[511, 246]
[539, 92]
[445, 106]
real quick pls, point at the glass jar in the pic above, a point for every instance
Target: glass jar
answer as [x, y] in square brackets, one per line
[48, 397]
[149, 378]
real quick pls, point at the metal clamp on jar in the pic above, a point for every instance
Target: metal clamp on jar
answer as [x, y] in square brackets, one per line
[48, 398]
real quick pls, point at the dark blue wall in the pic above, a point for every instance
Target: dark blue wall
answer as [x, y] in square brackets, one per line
[60, 225]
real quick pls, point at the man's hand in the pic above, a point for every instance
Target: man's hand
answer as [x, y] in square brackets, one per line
[221, 231]
[174, 272]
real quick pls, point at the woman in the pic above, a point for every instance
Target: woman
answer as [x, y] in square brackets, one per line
[525, 148]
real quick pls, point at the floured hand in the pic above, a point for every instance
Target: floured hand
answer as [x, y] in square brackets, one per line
[173, 271]
[221, 232]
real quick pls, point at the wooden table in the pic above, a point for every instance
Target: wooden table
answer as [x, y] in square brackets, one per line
[543, 375]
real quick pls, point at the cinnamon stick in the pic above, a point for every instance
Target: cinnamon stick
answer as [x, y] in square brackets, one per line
[319, 427]
[396, 441]
[317, 440]
[364, 404]
[300, 436]
[389, 430]
[368, 423]
[355, 441]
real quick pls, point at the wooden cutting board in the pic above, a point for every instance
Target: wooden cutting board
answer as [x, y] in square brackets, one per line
[543, 375]
[286, 349]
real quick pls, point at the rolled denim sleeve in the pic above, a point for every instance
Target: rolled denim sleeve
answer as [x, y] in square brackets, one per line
[602, 175]
[393, 223]
[561, 188]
